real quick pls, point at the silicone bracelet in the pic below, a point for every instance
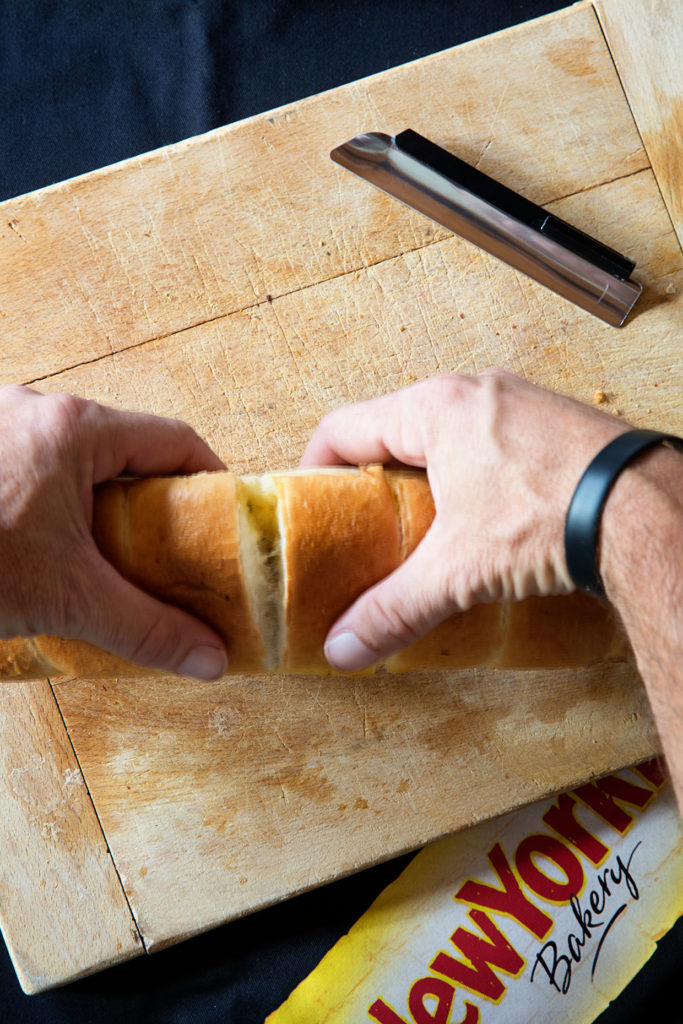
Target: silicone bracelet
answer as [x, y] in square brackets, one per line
[582, 525]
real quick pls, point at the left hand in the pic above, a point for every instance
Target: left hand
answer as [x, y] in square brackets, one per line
[53, 450]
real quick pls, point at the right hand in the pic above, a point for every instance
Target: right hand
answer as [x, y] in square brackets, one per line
[503, 458]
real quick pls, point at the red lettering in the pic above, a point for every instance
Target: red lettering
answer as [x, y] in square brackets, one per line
[509, 899]
[435, 988]
[653, 771]
[559, 854]
[561, 819]
[601, 795]
[482, 954]
[422, 989]
[383, 1014]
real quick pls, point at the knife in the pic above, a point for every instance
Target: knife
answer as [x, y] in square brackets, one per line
[503, 223]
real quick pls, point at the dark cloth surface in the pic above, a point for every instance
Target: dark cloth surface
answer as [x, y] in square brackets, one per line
[84, 83]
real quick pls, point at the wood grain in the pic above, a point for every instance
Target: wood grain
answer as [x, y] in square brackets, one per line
[648, 60]
[258, 771]
[217, 800]
[62, 909]
[243, 282]
[181, 236]
[256, 383]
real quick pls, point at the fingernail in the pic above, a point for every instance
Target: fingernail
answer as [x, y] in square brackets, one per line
[204, 662]
[347, 653]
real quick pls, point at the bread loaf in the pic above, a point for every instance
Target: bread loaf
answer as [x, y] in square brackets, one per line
[270, 563]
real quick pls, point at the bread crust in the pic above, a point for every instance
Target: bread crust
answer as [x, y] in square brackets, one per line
[178, 538]
[540, 632]
[567, 630]
[341, 530]
[339, 535]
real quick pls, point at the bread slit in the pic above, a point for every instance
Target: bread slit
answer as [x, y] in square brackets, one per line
[262, 560]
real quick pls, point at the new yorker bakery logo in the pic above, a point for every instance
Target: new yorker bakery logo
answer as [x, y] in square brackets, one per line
[614, 884]
[545, 868]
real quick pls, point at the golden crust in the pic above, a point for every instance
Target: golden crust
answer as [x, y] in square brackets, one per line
[178, 538]
[414, 506]
[20, 658]
[565, 631]
[68, 657]
[340, 536]
[340, 531]
[464, 640]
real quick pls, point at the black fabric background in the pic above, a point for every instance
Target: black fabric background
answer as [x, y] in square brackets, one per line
[84, 83]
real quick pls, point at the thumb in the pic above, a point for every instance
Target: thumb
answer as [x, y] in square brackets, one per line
[394, 613]
[133, 625]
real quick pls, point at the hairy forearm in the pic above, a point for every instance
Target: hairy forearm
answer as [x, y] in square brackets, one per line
[641, 562]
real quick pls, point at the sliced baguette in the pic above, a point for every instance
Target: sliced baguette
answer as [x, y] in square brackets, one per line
[270, 563]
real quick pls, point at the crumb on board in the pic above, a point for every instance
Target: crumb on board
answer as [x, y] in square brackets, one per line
[599, 397]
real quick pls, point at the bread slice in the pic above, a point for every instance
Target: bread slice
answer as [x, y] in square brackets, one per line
[186, 541]
[339, 535]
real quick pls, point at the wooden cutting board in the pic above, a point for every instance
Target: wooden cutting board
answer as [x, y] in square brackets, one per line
[245, 283]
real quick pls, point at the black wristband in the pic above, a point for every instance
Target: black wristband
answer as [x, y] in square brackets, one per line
[582, 525]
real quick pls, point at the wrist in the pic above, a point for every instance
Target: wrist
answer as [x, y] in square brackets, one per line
[642, 566]
[584, 516]
[640, 534]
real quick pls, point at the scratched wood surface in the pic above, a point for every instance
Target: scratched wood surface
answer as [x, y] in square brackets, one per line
[245, 283]
[60, 893]
[654, 88]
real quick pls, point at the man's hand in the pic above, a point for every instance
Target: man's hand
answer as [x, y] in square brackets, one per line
[53, 450]
[503, 458]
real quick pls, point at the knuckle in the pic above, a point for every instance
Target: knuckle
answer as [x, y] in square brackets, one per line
[181, 427]
[329, 421]
[423, 426]
[63, 412]
[462, 587]
[495, 380]
[16, 391]
[447, 389]
[447, 385]
[190, 432]
[185, 436]
[68, 404]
